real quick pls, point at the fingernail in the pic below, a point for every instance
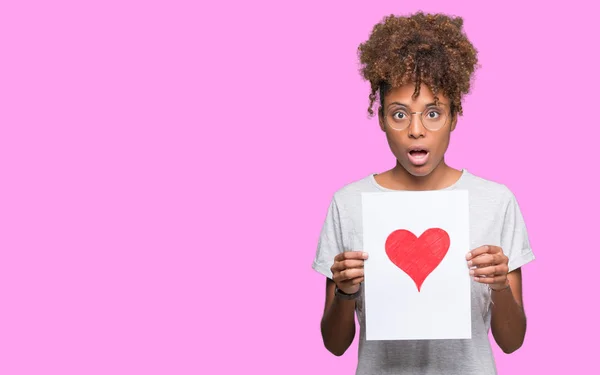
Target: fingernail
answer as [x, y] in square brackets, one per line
[471, 272]
[470, 263]
[365, 255]
[469, 255]
[475, 278]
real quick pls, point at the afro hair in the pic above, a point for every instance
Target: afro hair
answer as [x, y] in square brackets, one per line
[421, 48]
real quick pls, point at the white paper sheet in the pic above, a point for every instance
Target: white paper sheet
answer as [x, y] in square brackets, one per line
[417, 299]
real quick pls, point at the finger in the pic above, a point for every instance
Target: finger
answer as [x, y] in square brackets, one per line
[347, 264]
[478, 251]
[351, 274]
[481, 260]
[501, 258]
[351, 263]
[495, 249]
[486, 271]
[350, 255]
[480, 266]
[491, 280]
[490, 259]
[354, 281]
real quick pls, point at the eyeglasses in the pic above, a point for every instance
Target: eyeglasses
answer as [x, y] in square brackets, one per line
[433, 118]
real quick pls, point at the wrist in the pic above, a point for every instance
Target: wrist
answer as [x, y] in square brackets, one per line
[345, 296]
[500, 288]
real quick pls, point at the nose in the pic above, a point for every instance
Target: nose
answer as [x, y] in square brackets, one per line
[416, 128]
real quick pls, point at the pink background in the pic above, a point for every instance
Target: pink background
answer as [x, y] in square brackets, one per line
[166, 169]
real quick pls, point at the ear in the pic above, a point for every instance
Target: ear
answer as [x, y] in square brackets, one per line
[453, 123]
[381, 119]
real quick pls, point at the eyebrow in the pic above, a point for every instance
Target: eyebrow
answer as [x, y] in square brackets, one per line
[407, 106]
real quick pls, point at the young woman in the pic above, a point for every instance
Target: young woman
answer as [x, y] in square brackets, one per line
[421, 66]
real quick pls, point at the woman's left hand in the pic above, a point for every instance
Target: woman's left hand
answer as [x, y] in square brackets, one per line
[489, 265]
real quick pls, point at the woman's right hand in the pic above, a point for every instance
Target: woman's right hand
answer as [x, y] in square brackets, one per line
[348, 270]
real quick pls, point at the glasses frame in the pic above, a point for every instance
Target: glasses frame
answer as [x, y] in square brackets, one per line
[385, 118]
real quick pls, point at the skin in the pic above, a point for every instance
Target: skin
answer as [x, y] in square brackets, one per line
[487, 264]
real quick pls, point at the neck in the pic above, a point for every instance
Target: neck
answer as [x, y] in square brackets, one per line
[441, 177]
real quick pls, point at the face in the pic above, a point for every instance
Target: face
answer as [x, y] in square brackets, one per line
[417, 149]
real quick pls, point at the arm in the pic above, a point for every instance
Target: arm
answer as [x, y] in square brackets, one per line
[509, 322]
[337, 324]
[489, 266]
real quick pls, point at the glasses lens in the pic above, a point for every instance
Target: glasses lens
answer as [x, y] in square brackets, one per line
[434, 118]
[398, 119]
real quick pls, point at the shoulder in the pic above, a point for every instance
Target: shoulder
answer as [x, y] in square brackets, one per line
[488, 192]
[480, 185]
[354, 189]
[348, 199]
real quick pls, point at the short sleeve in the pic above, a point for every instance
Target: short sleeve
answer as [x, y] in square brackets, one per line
[330, 241]
[514, 238]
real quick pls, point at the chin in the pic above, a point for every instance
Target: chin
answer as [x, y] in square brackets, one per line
[417, 171]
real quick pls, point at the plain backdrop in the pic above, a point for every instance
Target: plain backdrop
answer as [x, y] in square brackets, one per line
[166, 167]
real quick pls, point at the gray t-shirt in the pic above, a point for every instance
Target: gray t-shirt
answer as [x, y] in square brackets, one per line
[494, 219]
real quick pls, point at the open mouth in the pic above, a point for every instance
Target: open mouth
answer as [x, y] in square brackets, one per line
[418, 156]
[419, 153]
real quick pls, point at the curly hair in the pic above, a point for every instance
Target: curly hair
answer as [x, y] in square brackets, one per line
[421, 48]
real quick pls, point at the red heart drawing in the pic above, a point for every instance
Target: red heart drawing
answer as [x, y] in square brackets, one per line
[418, 257]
